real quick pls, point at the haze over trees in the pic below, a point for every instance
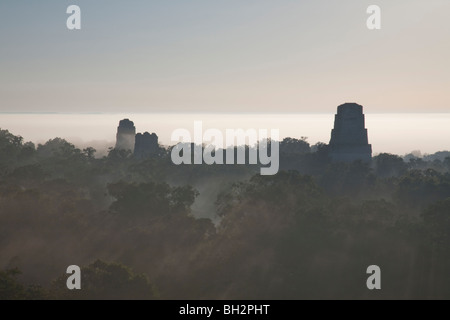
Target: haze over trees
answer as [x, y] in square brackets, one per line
[145, 228]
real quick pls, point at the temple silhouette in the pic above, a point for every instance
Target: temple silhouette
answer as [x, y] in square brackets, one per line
[142, 145]
[126, 132]
[349, 141]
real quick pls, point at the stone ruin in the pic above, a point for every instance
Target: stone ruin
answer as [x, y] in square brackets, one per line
[142, 145]
[349, 141]
[146, 145]
[126, 133]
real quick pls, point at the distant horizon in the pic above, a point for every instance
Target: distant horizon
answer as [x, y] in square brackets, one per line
[211, 113]
[396, 133]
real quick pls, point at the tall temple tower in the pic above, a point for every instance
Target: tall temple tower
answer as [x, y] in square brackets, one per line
[349, 141]
[125, 135]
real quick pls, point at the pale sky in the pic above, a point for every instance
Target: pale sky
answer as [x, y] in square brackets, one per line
[224, 56]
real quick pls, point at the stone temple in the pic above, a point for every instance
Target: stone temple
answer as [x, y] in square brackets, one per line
[125, 135]
[142, 145]
[349, 141]
[146, 145]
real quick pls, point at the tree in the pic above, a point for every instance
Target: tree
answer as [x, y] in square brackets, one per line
[437, 219]
[421, 188]
[388, 165]
[102, 280]
[12, 289]
[89, 152]
[150, 198]
[294, 146]
[59, 148]
[10, 148]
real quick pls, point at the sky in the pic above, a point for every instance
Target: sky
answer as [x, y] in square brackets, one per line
[257, 56]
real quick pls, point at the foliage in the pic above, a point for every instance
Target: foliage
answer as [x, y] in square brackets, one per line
[101, 280]
[220, 231]
[12, 289]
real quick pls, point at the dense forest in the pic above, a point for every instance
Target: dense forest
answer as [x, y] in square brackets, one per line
[147, 229]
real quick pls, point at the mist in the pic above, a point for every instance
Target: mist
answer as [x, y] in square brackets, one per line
[221, 231]
[392, 133]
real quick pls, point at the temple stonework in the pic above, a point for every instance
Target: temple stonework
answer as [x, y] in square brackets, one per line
[349, 140]
[146, 145]
[125, 135]
[142, 145]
